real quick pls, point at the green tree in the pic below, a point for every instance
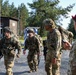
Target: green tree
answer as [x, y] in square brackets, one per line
[5, 8]
[23, 15]
[71, 28]
[13, 11]
[20, 13]
[1, 1]
[43, 9]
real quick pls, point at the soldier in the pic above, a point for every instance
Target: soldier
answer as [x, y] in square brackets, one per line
[32, 45]
[8, 46]
[52, 63]
[72, 55]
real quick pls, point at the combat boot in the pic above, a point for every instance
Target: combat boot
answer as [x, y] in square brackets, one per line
[36, 68]
[9, 73]
[31, 71]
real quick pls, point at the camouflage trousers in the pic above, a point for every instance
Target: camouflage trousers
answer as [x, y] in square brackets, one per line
[33, 62]
[9, 63]
[72, 70]
[50, 68]
[72, 60]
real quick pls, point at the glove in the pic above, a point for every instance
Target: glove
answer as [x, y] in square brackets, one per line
[74, 18]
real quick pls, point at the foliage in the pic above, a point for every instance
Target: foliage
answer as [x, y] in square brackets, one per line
[5, 8]
[71, 28]
[23, 15]
[43, 9]
[20, 13]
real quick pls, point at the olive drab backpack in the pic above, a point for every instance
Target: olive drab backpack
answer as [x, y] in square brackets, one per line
[14, 36]
[40, 41]
[66, 35]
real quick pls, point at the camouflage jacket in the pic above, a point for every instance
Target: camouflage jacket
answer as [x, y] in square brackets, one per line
[32, 44]
[9, 45]
[72, 55]
[72, 60]
[54, 40]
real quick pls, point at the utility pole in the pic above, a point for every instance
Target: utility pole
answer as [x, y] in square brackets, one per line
[18, 22]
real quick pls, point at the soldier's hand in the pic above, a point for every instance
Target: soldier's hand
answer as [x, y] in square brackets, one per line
[67, 46]
[18, 55]
[54, 60]
[24, 52]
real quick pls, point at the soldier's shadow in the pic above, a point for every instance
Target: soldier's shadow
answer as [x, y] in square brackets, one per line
[16, 73]
[1, 73]
[20, 73]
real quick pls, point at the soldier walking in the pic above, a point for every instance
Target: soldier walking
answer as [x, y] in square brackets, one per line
[8, 46]
[32, 45]
[72, 55]
[52, 63]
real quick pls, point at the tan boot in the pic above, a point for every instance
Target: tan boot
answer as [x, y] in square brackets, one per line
[9, 73]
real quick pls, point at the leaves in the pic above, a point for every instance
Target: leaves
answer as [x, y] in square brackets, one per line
[47, 9]
[20, 13]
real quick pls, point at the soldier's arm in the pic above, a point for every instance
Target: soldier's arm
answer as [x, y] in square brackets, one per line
[37, 43]
[18, 46]
[58, 40]
[56, 44]
[25, 46]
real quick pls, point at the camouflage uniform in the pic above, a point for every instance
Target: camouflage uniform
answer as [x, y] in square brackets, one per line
[72, 55]
[72, 60]
[32, 45]
[8, 48]
[54, 46]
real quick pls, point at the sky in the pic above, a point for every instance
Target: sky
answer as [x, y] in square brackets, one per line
[63, 3]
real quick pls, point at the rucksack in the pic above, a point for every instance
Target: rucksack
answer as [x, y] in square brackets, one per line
[40, 41]
[15, 36]
[66, 35]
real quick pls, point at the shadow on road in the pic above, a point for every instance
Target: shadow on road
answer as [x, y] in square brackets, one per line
[21, 73]
[16, 73]
[2, 73]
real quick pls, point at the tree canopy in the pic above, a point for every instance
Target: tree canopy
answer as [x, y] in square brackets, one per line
[20, 13]
[71, 27]
[42, 9]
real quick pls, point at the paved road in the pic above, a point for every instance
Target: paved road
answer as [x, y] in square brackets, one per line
[21, 67]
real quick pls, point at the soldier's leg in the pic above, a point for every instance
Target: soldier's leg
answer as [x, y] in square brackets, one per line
[48, 64]
[56, 67]
[30, 63]
[9, 63]
[35, 62]
[8, 66]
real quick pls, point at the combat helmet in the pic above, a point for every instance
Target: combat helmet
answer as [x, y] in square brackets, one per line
[7, 29]
[30, 30]
[49, 22]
